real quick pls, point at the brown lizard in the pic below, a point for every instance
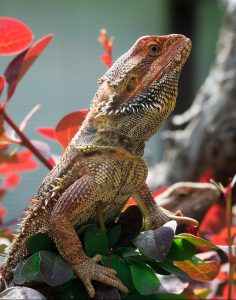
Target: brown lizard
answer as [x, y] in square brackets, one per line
[103, 164]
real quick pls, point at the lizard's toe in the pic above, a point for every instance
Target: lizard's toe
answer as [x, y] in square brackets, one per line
[90, 270]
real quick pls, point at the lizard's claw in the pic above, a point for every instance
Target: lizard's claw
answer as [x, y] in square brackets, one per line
[91, 270]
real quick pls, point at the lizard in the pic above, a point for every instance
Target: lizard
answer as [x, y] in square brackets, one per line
[103, 165]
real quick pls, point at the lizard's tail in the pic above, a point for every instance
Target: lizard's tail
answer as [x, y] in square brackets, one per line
[28, 226]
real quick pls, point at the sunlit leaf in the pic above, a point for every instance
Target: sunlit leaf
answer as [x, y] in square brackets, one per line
[20, 161]
[197, 241]
[47, 132]
[206, 271]
[21, 292]
[181, 249]
[156, 243]
[2, 83]
[20, 65]
[15, 36]
[69, 125]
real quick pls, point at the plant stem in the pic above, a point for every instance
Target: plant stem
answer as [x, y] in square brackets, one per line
[228, 198]
[24, 139]
[101, 217]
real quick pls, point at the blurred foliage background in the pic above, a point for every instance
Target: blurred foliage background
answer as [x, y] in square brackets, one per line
[64, 78]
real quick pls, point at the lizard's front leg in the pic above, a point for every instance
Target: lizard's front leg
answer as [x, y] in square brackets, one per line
[154, 215]
[76, 200]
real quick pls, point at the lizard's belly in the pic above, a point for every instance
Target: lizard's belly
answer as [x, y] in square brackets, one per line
[118, 186]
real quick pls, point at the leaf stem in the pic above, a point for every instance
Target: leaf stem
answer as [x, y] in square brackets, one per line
[101, 217]
[25, 141]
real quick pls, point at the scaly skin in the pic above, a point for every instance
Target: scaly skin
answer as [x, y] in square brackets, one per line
[103, 164]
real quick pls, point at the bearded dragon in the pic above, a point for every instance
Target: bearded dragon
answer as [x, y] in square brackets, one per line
[103, 165]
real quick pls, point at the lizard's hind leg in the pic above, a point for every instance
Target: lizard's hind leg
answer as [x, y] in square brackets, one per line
[77, 200]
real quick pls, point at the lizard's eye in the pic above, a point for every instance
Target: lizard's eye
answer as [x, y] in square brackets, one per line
[132, 84]
[154, 50]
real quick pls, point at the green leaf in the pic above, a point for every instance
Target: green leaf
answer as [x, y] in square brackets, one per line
[122, 268]
[168, 266]
[54, 269]
[197, 241]
[181, 249]
[144, 279]
[156, 243]
[95, 241]
[39, 241]
[137, 296]
[127, 252]
[28, 270]
[195, 260]
[113, 235]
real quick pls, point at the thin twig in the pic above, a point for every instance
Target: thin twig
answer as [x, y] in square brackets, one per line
[25, 141]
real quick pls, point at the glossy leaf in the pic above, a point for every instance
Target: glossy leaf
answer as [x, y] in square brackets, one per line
[2, 83]
[20, 65]
[28, 270]
[39, 241]
[172, 284]
[95, 241]
[47, 132]
[20, 161]
[197, 241]
[171, 268]
[156, 243]
[21, 292]
[69, 125]
[181, 249]
[144, 279]
[207, 268]
[122, 268]
[131, 221]
[203, 272]
[54, 270]
[15, 36]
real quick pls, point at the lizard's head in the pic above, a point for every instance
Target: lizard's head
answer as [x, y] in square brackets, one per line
[139, 91]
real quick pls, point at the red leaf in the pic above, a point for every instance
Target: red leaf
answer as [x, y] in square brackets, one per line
[214, 220]
[15, 36]
[21, 161]
[12, 180]
[107, 45]
[20, 65]
[3, 212]
[159, 191]
[106, 59]
[206, 175]
[69, 125]
[47, 132]
[2, 83]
